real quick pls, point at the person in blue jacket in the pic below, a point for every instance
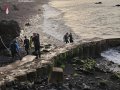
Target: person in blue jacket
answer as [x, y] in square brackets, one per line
[15, 50]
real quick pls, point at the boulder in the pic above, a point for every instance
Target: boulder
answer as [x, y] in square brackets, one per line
[15, 7]
[56, 75]
[118, 5]
[9, 30]
[98, 3]
[27, 24]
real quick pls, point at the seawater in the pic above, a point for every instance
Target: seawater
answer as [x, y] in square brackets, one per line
[112, 55]
[85, 19]
[89, 20]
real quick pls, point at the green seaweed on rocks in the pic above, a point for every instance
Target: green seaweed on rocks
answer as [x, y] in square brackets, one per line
[89, 64]
[63, 66]
[115, 76]
[75, 74]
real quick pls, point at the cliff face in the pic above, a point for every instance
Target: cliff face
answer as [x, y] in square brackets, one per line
[8, 31]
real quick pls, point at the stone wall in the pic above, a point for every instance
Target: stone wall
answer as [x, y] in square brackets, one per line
[83, 50]
[88, 50]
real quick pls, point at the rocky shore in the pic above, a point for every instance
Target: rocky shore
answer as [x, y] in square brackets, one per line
[81, 66]
[78, 75]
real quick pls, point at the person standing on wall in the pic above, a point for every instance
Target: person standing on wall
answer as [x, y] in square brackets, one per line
[71, 38]
[66, 37]
[36, 40]
[26, 45]
[31, 42]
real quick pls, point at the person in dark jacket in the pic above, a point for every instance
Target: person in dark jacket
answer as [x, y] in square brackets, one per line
[26, 45]
[65, 38]
[71, 38]
[36, 41]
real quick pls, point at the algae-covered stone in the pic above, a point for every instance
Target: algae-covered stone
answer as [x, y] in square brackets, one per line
[103, 83]
[75, 74]
[115, 76]
[89, 64]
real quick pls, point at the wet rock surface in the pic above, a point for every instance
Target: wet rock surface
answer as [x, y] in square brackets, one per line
[74, 78]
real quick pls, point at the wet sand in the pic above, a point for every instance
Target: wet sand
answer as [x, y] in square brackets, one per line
[89, 20]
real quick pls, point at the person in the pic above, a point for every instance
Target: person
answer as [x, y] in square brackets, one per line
[14, 47]
[26, 44]
[70, 38]
[65, 38]
[34, 39]
[31, 42]
[36, 42]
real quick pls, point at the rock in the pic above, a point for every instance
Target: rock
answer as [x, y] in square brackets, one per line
[98, 3]
[92, 82]
[99, 68]
[118, 65]
[115, 76]
[111, 62]
[47, 46]
[28, 24]
[103, 83]
[1, 9]
[39, 9]
[56, 75]
[118, 5]
[41, 46]
[9, 30]
[98, 78]
[5, 52]
[15, 7]
[86, 87]
[70, 86]
[75, 74]
[45, 51]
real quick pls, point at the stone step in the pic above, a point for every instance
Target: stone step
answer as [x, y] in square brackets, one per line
[56, 75]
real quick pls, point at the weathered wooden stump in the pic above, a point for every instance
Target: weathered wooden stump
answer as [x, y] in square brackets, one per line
[56, 75]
